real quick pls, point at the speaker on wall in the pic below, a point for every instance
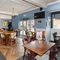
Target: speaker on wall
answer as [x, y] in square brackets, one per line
[9, 25]
[41, 8]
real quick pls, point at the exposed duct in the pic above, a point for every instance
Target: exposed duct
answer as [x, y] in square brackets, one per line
[39, 3]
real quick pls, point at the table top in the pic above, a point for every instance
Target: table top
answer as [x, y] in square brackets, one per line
[39, 47]
[9, 32]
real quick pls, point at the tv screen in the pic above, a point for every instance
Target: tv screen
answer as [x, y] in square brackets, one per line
[39, 15]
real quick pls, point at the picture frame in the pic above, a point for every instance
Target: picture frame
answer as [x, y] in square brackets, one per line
[5, 22]
[39, 21]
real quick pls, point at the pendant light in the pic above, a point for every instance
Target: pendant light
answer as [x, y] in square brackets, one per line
[13, 12]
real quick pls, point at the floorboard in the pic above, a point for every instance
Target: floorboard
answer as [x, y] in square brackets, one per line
[14, 52]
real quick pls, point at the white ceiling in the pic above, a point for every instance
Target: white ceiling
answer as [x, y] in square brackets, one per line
[20, 5]
[49, 1]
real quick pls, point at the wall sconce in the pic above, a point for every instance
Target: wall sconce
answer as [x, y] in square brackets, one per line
[49, 18]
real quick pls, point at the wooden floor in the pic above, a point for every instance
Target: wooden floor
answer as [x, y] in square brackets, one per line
[14, 52]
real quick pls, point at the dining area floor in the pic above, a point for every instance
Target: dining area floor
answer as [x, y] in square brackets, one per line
[13, 52]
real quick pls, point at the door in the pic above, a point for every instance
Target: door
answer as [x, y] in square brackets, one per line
[27, 24]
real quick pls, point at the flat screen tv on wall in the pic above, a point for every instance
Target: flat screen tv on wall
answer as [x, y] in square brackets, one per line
[39, 15]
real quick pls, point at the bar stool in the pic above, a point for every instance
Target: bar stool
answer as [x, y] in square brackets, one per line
[2, 36]
[12, 38]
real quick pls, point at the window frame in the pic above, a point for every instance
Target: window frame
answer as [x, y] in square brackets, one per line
[53, 13]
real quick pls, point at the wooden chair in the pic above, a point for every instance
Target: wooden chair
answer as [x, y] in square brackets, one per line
[26, 51]
[12, 38]
[56, 40]
[33, 36]
[53, 53]
[2, 36]
[27, 40]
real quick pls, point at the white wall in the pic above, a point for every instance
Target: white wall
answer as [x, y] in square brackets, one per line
[54, 30]
[48, 33]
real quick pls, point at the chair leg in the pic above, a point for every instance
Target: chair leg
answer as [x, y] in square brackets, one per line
[24, 51]
[55, 58]
[11, 43]
[15, 42]
[2, 42]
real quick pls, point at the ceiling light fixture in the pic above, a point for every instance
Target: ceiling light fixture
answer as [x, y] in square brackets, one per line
[13, 12]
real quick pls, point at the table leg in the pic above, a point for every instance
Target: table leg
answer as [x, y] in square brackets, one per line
[31, 55]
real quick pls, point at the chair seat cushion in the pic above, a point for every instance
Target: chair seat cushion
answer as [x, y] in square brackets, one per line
[57, 38]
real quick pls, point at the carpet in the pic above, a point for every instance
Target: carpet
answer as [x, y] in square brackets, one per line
[26, 57]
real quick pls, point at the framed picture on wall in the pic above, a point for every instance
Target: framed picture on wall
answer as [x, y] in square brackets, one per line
[39, 21]
[5, 22]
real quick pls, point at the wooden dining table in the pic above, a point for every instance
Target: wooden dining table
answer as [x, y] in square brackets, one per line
[38, 47]
[7, 34]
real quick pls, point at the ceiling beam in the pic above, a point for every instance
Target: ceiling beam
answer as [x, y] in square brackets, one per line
[7, 13]
[39, 3]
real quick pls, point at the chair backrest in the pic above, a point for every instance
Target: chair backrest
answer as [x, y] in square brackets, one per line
[53, 53]
[26, 40]
[54, 36]
[2, 35]
[55, 33]
[13, 35]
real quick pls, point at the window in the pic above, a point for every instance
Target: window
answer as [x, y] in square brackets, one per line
[56, 23]
[55, 20]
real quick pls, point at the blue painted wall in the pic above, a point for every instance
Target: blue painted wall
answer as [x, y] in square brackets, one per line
[40, 25]
[30, 15]
[15, 22]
